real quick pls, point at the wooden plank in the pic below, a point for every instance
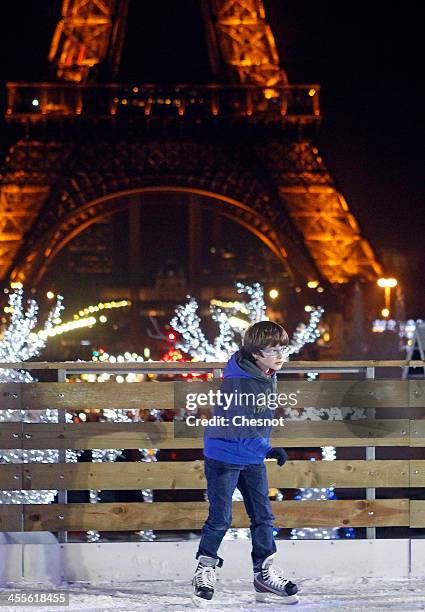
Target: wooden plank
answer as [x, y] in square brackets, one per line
[168, 395]
[417, 473]
[340, 474]
[143, 395]
[10, 396]
[417, 433]
[389, 432]
[11, 435]
[349, 393]
[343, 513]
[417, 513]
[131, 366]
[191, 515]
[103, 435]
[11, 517]
[190, 475]
[417, 393]
[197, 366]
[11, 477]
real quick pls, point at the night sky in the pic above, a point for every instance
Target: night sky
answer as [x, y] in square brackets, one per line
[368, 58]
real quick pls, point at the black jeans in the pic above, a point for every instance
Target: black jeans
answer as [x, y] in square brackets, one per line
[251, 480]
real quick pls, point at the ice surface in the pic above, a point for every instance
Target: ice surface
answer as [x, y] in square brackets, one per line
[371, 594]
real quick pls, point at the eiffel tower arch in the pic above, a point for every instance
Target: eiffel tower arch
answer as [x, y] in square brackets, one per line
[243, 147]
[227, 179]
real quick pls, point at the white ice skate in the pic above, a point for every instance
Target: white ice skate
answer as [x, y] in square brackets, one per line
[271, 586]
[204, 580]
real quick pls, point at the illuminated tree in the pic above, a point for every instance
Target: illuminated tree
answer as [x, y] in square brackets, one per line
[19, 343]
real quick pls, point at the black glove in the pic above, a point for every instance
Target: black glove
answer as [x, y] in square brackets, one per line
[278, 453]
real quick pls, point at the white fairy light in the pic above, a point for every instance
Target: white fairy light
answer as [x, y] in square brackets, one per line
[148, 454]
[305, 334]
[17, 344]
[256, 305]
[194, 342]
[404, 329]
[328, 453]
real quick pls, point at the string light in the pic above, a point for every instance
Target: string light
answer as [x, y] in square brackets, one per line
[66, 327]
[187, 324]
[405, 329]
[89, 310]
[194, 342]
[256, 305]
[230, 305]
[148, 455]
[305, 334]
[106, 357]
[19, 344]
[84, 318]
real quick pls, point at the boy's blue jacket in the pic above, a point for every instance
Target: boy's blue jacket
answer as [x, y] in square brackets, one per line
[248, 444]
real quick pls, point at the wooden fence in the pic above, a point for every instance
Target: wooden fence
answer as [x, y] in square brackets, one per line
[363, 391]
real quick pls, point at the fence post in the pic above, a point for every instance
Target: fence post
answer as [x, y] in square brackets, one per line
[370, 456]
[62, 494]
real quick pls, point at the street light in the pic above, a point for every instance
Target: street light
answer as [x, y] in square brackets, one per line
[387, 284]
[274, 293]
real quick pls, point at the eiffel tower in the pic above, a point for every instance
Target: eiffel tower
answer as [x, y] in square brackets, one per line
[242, 147]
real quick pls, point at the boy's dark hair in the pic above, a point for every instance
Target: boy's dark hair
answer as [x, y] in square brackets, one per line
[263, 334]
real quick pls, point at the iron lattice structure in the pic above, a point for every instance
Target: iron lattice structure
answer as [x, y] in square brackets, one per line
[245, 148]
[89, 32]
[240, 38]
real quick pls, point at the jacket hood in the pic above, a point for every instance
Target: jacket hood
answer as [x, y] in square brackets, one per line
[241, 366]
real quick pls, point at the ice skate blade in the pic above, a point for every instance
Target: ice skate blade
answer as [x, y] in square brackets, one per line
[200, 602]
[289, 600]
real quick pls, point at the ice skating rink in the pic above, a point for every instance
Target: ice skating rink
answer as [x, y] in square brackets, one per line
[356, 575]
[372, 594]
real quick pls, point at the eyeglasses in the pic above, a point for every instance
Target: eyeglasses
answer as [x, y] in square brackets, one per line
[275, 351]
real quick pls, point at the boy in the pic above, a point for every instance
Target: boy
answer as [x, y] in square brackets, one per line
[234, 457]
